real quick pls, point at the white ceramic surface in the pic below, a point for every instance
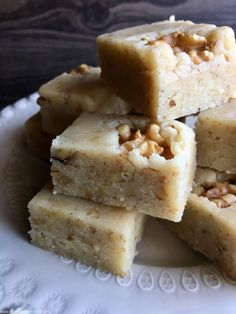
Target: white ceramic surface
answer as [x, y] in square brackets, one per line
[167, 276]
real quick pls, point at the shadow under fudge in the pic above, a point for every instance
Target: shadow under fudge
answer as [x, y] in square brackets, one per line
[24, 175]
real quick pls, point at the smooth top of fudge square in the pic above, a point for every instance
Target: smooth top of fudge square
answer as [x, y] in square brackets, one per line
[101, 135]
[82, 89]
[105, 217]
[222, 114]
[219, 40]
[77, 81]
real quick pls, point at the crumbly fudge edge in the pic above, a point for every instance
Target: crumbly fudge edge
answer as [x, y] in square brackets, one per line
[52, 241]
[205, 231]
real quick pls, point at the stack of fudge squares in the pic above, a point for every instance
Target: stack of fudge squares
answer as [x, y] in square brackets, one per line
[122, 148]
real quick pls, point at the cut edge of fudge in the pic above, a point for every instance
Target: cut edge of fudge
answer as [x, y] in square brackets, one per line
[95, 141]
[215, 134]
[64, 98]
[208, 223]
[148, 143]
[143, 65]
[100, 236]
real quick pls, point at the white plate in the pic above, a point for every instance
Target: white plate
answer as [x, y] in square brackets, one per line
[167, 276]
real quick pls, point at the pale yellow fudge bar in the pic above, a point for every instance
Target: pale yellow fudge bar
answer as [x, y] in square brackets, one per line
[66, 96]
[101, 236]
[126, 161]
[170, 69]
[39, 142]
[216, 138]
[209, 220]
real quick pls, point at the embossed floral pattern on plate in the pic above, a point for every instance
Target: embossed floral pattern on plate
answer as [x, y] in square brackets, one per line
[33, 280]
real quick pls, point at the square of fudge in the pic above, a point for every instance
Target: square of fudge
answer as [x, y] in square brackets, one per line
[128, 161]
[66, 96]
[208, 223]
[38, 141]
[216, 140]
[101, 236]
[170, 69]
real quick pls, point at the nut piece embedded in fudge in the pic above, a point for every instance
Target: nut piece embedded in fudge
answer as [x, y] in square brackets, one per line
[170, 69]
[216, 140]
[127, 161]
[66, 96]
[208, 223]
[100, 236]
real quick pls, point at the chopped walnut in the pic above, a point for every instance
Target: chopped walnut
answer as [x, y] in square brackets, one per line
[222, 194]
[223, 187]
[124, 132]
[137, 135]
[219, 189]
[199, 190]
[148, 142]
[181, 41]
[220, 203]
[213, 193]
[200, 56]
[229, 198]
[189, 42]
[206, 55]
[153, 133]
[148, 147]
[194, 45]
[81, 69]
[130, 145]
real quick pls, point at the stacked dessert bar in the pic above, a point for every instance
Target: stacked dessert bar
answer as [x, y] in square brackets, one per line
[61, 102]
[119, 154]
[209, 220]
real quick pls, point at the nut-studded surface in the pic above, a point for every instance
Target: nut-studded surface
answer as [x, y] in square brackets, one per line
[216, 141]
[148, 142]
[196, 46]
[154, 67]
[208, 223]
[223, 194]
[126, 161]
